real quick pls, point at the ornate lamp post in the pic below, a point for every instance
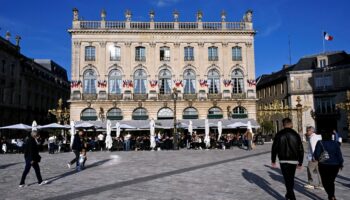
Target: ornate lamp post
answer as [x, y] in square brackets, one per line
[61, 114]
[346, 106]
[175, 94]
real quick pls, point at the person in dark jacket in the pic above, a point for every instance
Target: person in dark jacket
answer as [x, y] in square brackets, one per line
[288, 147]
[329, 168]
[76, 148]
[32, 158]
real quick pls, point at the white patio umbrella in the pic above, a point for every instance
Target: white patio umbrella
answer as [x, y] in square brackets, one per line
[85, 125]
[17, 127]
[190, 128]
[125, 126]
[219, 129]
[237, 124]
[206, 138]
[152, 130]
[118, 126]
[109, 141]
[249, 125]
[72, 132]
[52, 126]
[34, 126]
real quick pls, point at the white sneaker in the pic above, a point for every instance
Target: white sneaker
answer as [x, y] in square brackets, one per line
[22, 185]
[308, 186]
[68, 165]
[43, 183]
[319, 188]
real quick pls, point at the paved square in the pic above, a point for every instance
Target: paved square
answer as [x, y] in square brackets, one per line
[185, 174]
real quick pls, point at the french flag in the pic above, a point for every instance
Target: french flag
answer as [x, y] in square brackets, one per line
[327, 36]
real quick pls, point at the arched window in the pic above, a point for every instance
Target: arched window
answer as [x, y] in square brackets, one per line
[165, 113]
[190, 113]
[189, 81]
[214, 81]
[164, 54]
[164, 81]
[237, 81]
[236, 53]
[115, 114]
[140, 53]
[213, 54]
[88, 114]
[90, 53]
[140, 81]
[115, 82]
[239, 112]
[215, 113]
[90, 82]
[140, 114]
[114, 53]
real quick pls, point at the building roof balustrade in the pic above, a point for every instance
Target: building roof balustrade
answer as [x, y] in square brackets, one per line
[122, 25]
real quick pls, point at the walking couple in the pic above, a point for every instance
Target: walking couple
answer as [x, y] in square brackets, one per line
[288, 147]
[79, 149]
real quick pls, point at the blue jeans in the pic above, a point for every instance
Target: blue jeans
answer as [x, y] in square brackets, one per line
[36, 167]
[127, 145]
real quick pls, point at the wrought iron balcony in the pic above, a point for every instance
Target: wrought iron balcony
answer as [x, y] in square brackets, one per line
[189, 58]
[165, 96]
[190, 96]
[215, 96]
[89, 58]
[87, 96]
[140, 58]
[213, 58]
[115, 58]
[239, 95]
[140, 96]
[115, 96]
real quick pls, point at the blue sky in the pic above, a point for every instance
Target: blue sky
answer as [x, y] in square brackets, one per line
[43, 24]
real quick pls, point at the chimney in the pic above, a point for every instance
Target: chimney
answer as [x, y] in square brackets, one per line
[285, 66]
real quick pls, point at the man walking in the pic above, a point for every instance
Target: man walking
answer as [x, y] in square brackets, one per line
[32, 158]
[76, 147]
[312, 168]
[288, 147]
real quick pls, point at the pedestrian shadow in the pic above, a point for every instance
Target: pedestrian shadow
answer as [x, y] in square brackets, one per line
[55, 178]
[9, 165]
[262, 183]
[298, 183]
[343, 177]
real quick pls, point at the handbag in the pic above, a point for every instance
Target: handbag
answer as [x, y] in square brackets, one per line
[324, 155]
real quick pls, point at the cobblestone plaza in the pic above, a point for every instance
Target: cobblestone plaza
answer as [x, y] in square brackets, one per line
[184, 174]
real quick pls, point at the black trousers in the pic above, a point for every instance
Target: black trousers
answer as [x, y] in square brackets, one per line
[76, 159]
[328, 174]
[288, 171]
[36, 167]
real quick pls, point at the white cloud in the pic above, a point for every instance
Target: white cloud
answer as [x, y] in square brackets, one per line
[163, 3]
[271, 28]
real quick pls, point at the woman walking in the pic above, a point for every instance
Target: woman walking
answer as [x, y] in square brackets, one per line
[330, 165]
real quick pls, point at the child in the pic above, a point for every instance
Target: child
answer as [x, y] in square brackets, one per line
[82, 159]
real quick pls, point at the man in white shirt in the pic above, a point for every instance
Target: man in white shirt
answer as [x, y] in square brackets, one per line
[312, 168]
[101, 140]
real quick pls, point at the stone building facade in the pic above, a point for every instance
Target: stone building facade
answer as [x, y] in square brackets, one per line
[128, 70]
[28, 87]
[321, 81]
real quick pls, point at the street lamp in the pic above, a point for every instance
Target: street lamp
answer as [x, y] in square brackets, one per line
[62, 115]
[175, 146]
